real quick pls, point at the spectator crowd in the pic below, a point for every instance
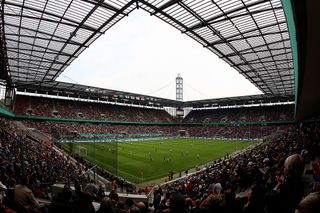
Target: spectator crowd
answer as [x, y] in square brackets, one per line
[267, 178]
[243, 114]
[60, 108]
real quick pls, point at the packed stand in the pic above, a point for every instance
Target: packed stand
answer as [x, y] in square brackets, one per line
[29, 168]
[60, 129]
[61, 108]
[243, 114]
[266, 179]
[63, 129]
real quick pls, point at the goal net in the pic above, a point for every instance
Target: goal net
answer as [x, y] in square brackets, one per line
[82, 151]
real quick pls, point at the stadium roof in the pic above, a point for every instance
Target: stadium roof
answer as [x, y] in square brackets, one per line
[239, 100]
[96, 93]
[40, 38]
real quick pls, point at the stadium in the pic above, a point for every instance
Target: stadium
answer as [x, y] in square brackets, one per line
[70, 147]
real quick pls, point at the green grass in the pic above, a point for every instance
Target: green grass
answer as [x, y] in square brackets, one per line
[146, 157]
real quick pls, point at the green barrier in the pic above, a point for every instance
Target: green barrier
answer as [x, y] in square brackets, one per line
[5, 113]
[234, 123]
[287, 6]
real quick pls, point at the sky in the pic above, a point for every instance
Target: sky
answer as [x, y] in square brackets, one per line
[142, 54]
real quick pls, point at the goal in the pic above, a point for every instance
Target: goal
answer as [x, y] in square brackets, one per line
[82, 151]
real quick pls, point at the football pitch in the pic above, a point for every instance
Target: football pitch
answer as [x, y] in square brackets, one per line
[145, 161]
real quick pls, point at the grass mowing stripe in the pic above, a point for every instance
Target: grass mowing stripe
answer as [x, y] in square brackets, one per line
[147, 157]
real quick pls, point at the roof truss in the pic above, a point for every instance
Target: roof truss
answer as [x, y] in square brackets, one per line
[42, 37]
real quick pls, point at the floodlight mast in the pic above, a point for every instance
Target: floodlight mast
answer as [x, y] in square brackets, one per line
[179, 95]
[179, 88]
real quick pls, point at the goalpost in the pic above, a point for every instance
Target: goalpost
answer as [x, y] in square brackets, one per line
[82, 151]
